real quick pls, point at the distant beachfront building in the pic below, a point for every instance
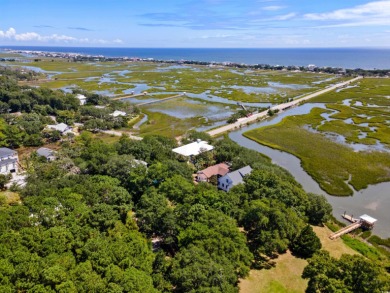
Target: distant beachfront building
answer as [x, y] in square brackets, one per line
[311, 67]
[8, 161]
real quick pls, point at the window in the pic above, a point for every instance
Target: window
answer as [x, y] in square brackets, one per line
[227, 180]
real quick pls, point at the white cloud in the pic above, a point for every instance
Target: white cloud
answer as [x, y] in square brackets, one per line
[273, 8]
[12, 35]
[285, 16]
[374, 12]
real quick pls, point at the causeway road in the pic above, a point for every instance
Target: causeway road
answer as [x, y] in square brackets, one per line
[243, 121]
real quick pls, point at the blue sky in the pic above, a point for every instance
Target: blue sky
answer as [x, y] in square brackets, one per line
[193, 24]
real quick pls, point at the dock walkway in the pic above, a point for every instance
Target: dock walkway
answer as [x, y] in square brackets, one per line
[160, 100]
[346, 230]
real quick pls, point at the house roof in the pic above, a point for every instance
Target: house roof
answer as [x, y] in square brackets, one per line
[5, 152]
[7, 162]
[220, 169]
[81, 97]
[194, 148]
[117, 113]
[60, 127]
[45, 152]
[368, 219]
[238, 175]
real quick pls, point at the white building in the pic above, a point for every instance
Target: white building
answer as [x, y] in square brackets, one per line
[8, 161]
[47, 153]
[62, 127]
[194, 148]
[233, 178]
[82, 99]
[117, 113]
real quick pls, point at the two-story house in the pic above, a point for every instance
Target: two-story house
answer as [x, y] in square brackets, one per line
[8, 161]
[233, 178]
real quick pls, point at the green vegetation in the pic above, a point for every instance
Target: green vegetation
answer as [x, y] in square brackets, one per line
[212, 80]
[331, 164]
[284, 277]
[166, 125]
[125, 216]
[351, 273]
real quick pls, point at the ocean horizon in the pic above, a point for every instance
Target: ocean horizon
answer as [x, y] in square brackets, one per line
[349, 58]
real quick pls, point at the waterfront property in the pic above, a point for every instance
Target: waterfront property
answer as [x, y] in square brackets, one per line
[233, 178]
[193, 149]
[364, 221]
[8, 161]
[218, 170]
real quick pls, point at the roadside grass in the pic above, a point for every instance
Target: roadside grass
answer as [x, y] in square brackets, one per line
[108, 138]
[330, 163]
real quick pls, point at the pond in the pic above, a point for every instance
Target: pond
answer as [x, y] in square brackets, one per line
[373, 200]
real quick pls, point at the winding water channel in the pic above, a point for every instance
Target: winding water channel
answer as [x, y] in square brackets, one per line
[374, 200]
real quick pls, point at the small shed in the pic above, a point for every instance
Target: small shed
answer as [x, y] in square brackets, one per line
[367, 221]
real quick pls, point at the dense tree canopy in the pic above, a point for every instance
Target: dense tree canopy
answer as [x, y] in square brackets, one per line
[127, 217]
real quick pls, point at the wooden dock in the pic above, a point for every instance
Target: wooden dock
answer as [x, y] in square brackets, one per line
[345, 230]
[160, 100]
[364, 221]
[128, 96]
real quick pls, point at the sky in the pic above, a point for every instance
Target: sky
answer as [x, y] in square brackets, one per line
[195, 24]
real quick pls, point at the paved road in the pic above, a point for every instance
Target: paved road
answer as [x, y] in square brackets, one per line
[284, 106]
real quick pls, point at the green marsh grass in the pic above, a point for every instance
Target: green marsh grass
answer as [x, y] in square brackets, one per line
[333, 165]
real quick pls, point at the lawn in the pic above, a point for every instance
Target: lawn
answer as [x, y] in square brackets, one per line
[286, 275]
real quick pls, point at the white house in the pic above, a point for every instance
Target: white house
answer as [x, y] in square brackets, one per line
[8, 161]
[82, 99]
[194, 148]
[62, 127]
[233, 178]
[47, 153]
[117, 113]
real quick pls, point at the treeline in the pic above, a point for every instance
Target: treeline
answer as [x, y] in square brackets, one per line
[99, 220]
[19, 73]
